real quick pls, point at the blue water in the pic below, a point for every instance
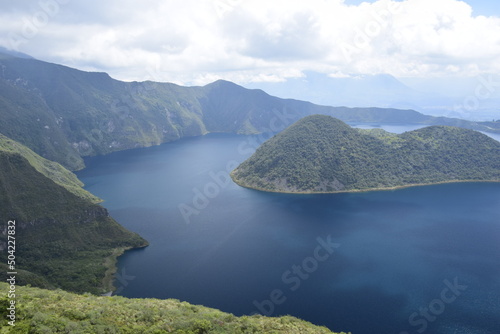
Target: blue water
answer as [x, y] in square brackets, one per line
[415, 260]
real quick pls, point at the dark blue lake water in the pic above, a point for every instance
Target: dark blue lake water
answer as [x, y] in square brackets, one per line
[415, 260]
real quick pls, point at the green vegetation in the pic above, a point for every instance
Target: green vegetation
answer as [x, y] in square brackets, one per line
[50, 169]
[66, 238]
[64, 114]
[44, 311]
[323, 154]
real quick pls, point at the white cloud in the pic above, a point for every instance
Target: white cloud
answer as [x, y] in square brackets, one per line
[197, 41]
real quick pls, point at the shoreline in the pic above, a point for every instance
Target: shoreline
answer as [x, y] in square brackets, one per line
[108, 280]
[359, 190]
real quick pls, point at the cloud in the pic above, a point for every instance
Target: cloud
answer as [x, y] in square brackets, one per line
[195, 41]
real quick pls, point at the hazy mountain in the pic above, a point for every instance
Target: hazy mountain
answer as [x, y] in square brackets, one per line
[381, 90]
[450, 97]
[475, 98]
[13, 53]
[323, 154]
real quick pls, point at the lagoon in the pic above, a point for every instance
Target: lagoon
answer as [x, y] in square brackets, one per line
[421, 259]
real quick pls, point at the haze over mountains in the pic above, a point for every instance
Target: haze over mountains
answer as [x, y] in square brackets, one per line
[474, 98]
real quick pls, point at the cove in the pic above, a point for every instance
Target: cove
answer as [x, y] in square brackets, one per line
[414, 260]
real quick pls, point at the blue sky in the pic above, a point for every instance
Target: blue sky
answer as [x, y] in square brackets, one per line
[485, 7]
[199, 41]
[480, 7]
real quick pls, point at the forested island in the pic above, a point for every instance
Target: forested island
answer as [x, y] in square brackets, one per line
[321, 154]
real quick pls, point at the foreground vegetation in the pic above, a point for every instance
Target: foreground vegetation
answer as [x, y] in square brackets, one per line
[323, 154]
[44, 311]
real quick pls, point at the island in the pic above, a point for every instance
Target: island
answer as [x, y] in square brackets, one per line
[321, 154]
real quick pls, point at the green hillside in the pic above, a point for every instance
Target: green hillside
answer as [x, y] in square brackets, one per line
[44, 311]
[64, 114]
[65, 240]
[50, 169]
[323, 154]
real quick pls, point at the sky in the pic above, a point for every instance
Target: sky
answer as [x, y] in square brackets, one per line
[194, 42]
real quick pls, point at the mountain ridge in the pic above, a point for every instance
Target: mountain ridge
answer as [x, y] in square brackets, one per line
[49, 169]
[65, 114]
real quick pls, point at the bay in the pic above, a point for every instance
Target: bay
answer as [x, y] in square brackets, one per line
[421, 259]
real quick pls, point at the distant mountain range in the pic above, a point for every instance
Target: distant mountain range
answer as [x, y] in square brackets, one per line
[322, 154]
[381, 90]
[450, 97]
[65, 114]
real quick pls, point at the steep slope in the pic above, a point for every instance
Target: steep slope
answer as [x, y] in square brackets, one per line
[323, 154]
[50, 169]
[65, 114]
[43, 311]
[63, 240]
